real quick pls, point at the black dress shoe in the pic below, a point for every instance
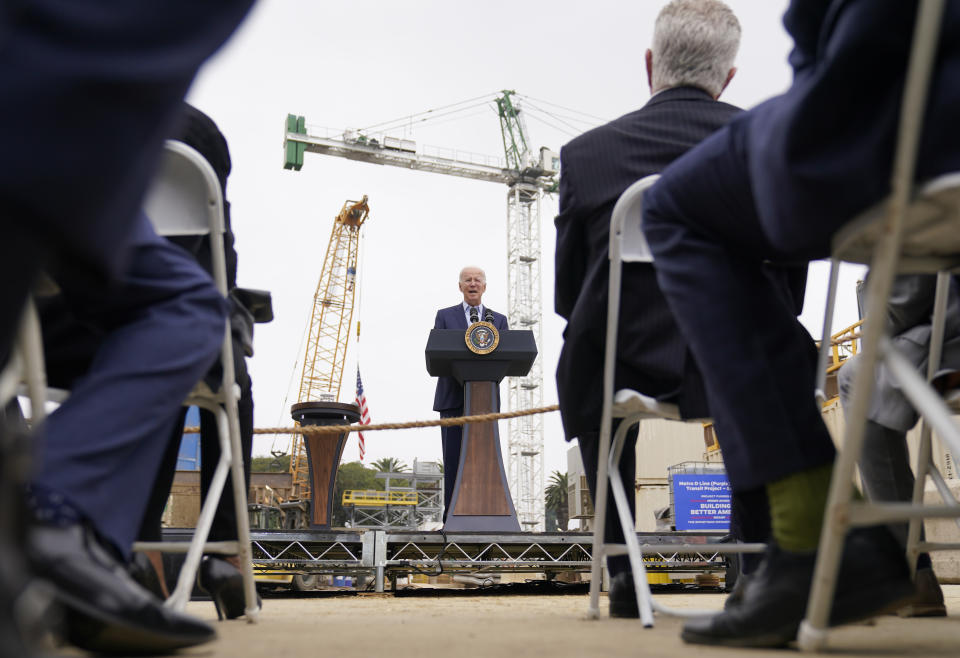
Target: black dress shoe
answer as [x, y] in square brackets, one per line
[735, 597]
[26, 613]
[623, 597]
[224, 583]
[104, 610]
[142, 571]
[873, 578]
[928, 600]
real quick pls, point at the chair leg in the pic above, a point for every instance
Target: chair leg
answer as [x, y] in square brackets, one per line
[30, 344]
[640, 582]
[925, 452]
[251, 610]
[188, 573]
[813, 629]
[925, 400]
[944, 489]
[915, 525]
[820, 389]
[599, 514]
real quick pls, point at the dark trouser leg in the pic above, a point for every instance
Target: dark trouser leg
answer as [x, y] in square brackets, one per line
[757, 361]
[163, 326]
[886, 473]
[885, 460]
[451, 439]
[750, 523]
[589, 454]
[152, 525]
[224, 526]
[885, 464]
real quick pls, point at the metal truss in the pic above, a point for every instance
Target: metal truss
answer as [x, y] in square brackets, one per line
[304, 553]
[390, 554]
[382, 518]
[471, 553]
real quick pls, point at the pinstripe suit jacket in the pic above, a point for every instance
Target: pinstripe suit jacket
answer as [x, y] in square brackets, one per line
[596, 168]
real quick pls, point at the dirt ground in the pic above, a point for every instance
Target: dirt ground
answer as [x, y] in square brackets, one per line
[518, 626]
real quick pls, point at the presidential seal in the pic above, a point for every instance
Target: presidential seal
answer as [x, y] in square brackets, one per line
[482, 338]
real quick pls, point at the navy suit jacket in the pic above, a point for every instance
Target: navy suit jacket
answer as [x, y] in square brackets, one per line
[449, 394]
[596, 168]
[813, 168]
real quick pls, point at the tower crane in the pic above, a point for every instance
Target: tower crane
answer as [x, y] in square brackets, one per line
[527, 175]
[329, 332]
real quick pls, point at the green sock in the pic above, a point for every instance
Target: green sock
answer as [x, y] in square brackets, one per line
[797, 504]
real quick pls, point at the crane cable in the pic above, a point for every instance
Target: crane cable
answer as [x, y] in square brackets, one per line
[559, 118]
[557, 128]
[567, 109]
[407, 121]
[485, 98]
[293, 373]
[358, 287]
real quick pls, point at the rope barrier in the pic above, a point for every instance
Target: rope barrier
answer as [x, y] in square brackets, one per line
[439, 422]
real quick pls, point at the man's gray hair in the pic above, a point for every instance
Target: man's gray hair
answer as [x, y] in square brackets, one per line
[694, 44]
[473, 267]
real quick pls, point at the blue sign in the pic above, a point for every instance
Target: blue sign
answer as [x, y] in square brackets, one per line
[701, 501]
[188, 459]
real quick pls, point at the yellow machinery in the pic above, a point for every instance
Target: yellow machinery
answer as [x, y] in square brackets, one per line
[374, 498]
[330, 322]
[843, 345]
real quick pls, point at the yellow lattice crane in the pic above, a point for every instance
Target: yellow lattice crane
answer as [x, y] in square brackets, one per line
[330, 323]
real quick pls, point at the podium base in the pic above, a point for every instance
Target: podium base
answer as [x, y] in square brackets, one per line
[471, 523]
[323, 454]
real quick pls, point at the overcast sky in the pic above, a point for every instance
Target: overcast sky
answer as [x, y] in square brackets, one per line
[358, 63]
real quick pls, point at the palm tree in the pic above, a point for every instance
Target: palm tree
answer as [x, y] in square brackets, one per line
[556, 498]
[389, 465]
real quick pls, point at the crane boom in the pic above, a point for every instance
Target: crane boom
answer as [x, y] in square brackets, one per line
[386, 150]
[329, 332]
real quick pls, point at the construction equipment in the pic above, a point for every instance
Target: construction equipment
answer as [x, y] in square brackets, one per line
[527, 176]
[329, 331]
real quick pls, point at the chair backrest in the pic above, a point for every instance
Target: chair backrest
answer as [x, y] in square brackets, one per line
[626, 235]
[185, 199]
[627, 243]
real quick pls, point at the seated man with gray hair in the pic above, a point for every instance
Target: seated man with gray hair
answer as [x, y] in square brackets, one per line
[688, 66]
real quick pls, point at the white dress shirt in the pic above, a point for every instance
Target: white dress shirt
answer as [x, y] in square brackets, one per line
[466, 312]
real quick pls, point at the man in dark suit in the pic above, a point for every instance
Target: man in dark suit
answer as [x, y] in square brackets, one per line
[688, 66]
[776, 184]
[70, 195]
[448, 398]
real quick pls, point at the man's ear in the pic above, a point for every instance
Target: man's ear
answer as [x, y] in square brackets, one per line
[732, 72]
[648, 58]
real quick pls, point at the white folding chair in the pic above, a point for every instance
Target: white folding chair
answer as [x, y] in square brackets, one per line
[916, 229]
[628, 245]
[25, 366]
[185, 199]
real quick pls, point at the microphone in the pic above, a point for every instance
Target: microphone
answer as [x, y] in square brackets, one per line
[488, 316]
[473, 315]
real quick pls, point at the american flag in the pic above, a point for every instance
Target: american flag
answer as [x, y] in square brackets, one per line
[364, 412]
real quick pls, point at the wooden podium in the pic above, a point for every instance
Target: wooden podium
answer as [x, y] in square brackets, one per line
[481, 496]
[323, 453]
